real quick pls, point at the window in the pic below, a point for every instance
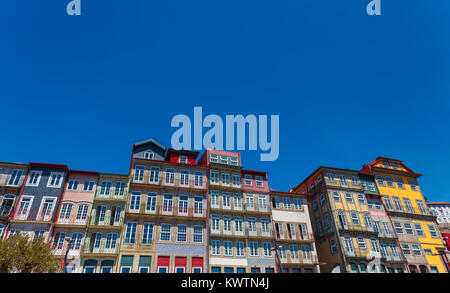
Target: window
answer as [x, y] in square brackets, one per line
[135, 201]
[398, 204]
[348, 243]
[198, 205]
[228, 248]
[380, 180]
[259, 181]
[111, 241]
[82, 212]
[374, 244]
[327, 222]
[55, 179]
[236, 179]
[408, 205]
[262, 203]
[234, 161]
[66, 210]
[251, 225]
[213, 158]
[149, 155]
[399, 183]
[181, 233]
[238, 225]
[47, 208]
[248, 179]
[214, 177]
[139, 174]
[408, 228]
[294, 251]
[105, 188]
[348, 197]
[368, 221]
[432, 230]
[412, 184]
[287, 202]
[183, 204]
[15, 177]
[88, 186]
[198, 179]
[184, 178]
[120, 189]
[130, 234]
[182, 160]
[388, 203]
[389, 181]
[361, 242]
[298, 204]
[223, 159]
[421, 206]
[322, 200]
[76, 241]
[59, 240]
[398, 228]
[253, 248]
[416, 249]
[387, 228]
[170, 176]
[336, 196]
[98, 239]
[250, 202]
[330, 177]
[73, 185]
[355, 218]
[215, 247]
[167, 203]
[198, 234]
[151, 202]
[419, 229]
[147, 233]
[343, 180]
[215, 223]
[215, 199]
[226, 200]
[154, 175]
[165, 232]
[361, 198]
[117, 214]
[267, 249]
[333, 247]
[342, 219]
[355, 180]
[237, 201]
[239, 248]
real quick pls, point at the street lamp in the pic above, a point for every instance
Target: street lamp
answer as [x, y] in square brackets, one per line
[275, 248]
[69, 243]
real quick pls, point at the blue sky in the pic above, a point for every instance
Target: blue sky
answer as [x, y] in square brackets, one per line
[348, 87]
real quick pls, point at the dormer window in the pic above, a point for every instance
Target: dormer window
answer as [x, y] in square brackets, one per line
[386, 164]
[182, 160]
[149, 155]
[259, 181]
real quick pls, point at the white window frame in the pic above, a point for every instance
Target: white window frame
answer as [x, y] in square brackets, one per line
[50, 178]
[32, 177]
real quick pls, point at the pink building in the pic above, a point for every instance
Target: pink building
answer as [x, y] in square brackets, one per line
[73, 215]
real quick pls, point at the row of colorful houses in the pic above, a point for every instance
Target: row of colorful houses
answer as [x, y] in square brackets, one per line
[179, 212]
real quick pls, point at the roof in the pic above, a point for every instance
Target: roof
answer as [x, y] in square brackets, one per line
[84, 172]
[389, 159]
[44, 165]
[288, 192]
[187, 152]
[438, 203]
[253, 171]
[148, 141]
[323, 167]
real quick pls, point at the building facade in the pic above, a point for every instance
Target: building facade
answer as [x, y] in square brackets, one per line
[39, 200]
[12, 176]
[72, 218]
[101, 245]
[415, 226]
[346, 238]
[294, 238]
[239, 218]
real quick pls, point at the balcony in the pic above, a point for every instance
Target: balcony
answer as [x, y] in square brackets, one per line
[106, 222]
[362, 254]
[191, 183]
[89, 248]
[295, 237]
[240, 208]
[72, 220]
[34, 215]
[298, 259]
[61, 251]
[111, 197]
[356, 228]
[182, 211]
[384, 234]
[258, 233]
[412, 211]
[5, 211]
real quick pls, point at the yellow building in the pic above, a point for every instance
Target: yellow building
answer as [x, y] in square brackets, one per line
[417, 230]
